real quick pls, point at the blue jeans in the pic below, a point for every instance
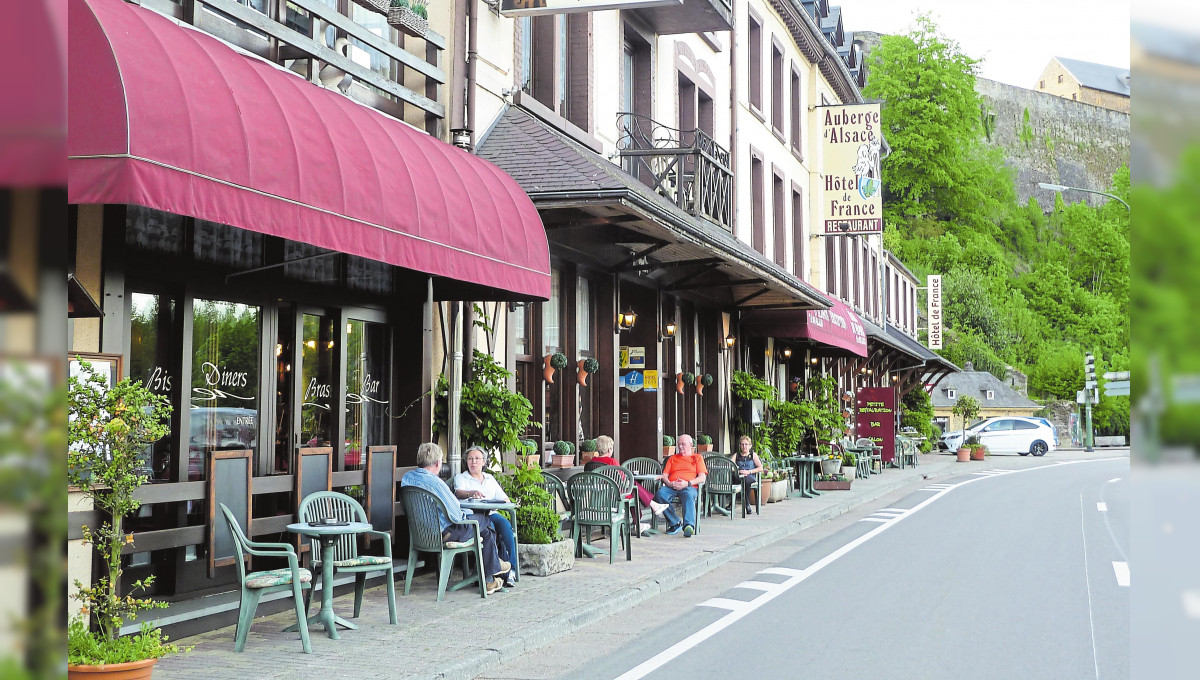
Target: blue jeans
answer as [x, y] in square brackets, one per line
[506, 542]
[688, 499]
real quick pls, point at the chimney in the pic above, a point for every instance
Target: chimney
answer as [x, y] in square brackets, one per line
[968, 366]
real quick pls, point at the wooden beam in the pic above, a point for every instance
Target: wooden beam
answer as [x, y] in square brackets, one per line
[637, 256]
[726, 284]
[739, 303]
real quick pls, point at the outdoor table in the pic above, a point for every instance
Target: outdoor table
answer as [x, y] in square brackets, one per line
[328, 534]
[484, 506]
[869, 450]
[807, 467]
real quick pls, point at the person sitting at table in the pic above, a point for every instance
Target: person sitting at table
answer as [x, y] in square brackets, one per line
[604, 456]
[748, 467]
[682, 476]
[474, 483]
[425, 476]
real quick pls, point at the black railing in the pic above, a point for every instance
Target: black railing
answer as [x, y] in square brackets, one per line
[686, 166]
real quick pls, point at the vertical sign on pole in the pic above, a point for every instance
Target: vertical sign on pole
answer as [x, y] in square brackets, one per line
[933, 309]
[877, 419]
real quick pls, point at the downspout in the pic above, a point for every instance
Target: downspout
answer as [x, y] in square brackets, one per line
[472, 67]
[454, 398]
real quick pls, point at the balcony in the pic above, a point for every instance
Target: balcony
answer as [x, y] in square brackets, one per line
[686, 166]
[688, 16]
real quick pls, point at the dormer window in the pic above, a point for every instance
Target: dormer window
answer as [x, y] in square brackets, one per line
[991, 394]
[951, 393]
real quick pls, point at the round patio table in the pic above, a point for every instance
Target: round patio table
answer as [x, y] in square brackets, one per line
[807, 472]
[328, 534]
[484, 506]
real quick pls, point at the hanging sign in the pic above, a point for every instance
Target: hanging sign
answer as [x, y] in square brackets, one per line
[521, 8]
[933, 309]
[632, 381]
[853, 188]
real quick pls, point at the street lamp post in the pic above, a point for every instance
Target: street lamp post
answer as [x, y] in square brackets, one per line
[1060, 188]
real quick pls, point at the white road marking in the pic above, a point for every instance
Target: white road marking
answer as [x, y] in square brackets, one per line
[1087, 579]
[1102, 507]
[726, 603]
[798, 576]
[1122, 571]
[895, 511]
[1191, 603]
[874, 519]
[758, 585]
[1114, 480]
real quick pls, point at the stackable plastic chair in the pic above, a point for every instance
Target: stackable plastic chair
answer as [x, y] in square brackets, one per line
[597, 501]
[346, 559]
[723, 481]
[255, 584]
[425, 535]
[624, 480]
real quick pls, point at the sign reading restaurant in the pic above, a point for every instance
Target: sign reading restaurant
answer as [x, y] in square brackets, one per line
[853, 196]
[933, 309]
[517, 8]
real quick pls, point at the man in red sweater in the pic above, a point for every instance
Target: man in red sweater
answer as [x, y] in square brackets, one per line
[682, 476]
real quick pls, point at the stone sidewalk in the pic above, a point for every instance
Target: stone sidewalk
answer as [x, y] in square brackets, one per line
[465, 635]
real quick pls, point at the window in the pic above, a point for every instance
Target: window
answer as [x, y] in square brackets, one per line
[554, 64]
[687, 103]
[758, 235]
[583, 315]
[796, 111]
[873, 286]
[1042, 85]
[990, 395]
[798, 264]
[706, 114]
[777, 88]
[754, 60]
[1074, 96]
[844, 256]
[830, 265]
[779, 213]
[368, 389]
[151, 360]
[551, 333]
[1023, 425]
[951, 393]
[1060, 78]
[224, 389]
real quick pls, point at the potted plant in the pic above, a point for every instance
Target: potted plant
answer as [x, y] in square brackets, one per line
[540, 544]
[689, 379]
[703, 443]
[564, 454]
[779, 488]
[410, 16]
[702, 382]
[553, 362]
[849, 462]
[978, 450]
[838, 482]
[490, 415]
[108, 430]
[586, 367]
[529, 453]
[587, 451]
[380, 6]
[967, 408]
[668, 446]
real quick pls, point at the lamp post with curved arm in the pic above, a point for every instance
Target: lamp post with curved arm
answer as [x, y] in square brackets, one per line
[1060, 188]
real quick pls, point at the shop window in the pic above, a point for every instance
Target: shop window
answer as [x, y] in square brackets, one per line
[317, 357]
[584, 327]
[583, 315]
[552, 341]
[153, 356]
[313, 264]
[154, 230]
[551, 313]
[368, 389]
[225, 245]
[224, 389]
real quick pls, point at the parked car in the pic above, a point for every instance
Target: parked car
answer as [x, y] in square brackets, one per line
[1007, 434]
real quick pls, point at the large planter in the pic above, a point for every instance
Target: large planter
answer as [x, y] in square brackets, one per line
[546, 558]
[778, 491]
[562, 461]
[668, 451]
[586, 457]
[703, 448]
[408, 21]
[533, 459]
[978, 454]
[832, 486]
[831, 466]
[964, 454]
[134, 670]
[764, 488]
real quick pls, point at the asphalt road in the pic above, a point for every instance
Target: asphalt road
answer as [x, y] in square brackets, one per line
[1012, 574]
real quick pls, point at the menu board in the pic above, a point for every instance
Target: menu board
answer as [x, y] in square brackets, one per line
[876, 418]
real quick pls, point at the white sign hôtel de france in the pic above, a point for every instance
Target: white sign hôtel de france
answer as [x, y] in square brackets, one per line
[852, 195]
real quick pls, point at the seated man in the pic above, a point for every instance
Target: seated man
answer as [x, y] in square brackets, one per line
[682, 476]
[429, 463]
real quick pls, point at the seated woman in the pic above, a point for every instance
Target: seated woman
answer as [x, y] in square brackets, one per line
[604, 456]
[748, 466]
[474, 483]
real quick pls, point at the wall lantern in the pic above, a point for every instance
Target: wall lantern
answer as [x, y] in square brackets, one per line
[669, 331]
[870, 371]
[813, 361]
[461, 137]
[895, 377]
[729, 342]
[626, 320]
[787, 352]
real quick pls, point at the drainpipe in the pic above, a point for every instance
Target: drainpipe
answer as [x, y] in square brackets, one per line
[454, 399]
[472, 67]
[733, 96]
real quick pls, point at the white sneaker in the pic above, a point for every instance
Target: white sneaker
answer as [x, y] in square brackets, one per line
[643, 529]
[658, 508]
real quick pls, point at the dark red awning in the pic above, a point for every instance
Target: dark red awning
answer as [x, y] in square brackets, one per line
[169, 117]
[33, 117]
[837, 326]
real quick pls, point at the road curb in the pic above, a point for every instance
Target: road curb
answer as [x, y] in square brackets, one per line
[547, 631]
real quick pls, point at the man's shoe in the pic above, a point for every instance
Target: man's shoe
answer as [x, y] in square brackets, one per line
[675, 529]
[505, 567]
[494, 585]
[658, 508]
[511, 581]
[688, 531]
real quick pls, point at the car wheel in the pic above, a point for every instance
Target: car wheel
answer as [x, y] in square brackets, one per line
[1039, 448]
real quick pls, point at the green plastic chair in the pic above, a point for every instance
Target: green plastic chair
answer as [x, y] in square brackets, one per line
[625, 481]
[597, 502]
[722, 482]
[646, 466]
[425, 535]
[255, 584]
[554, 486]
[322, 504]
[872, 454]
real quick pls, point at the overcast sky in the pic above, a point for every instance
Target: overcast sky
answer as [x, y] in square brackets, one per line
[1015, 39]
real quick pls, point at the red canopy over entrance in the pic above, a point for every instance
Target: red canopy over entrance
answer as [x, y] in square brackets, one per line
[838, 326]
[171, 118]
[33, 117]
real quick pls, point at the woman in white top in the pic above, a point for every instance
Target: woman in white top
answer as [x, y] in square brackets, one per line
[474, 483]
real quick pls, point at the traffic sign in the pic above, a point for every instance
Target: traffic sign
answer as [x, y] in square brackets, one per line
[1117, 375]
[1089, 384]
[1117, 388]
[1185, 389]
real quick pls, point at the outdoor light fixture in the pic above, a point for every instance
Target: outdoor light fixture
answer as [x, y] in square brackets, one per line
[626, 320]
[329, 344]
[312, 344]
[729, 342]
[278, 350]
[870, 371]
[787, 352]
[895, 377]
[1059, 188]
[669, 331]
[813, 361]
[461, 137]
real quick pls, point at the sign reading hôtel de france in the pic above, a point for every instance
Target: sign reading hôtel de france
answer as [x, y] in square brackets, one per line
[532, 7]
[852, 195]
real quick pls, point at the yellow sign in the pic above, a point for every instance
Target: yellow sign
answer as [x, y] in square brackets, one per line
[624, 361]
[852, 196]
[651, 381]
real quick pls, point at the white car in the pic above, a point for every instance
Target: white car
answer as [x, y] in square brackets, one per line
[1007, 434]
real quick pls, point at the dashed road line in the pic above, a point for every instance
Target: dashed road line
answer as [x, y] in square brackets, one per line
[1114, 480]
[1122, 571]
[1102, 506]
[1191, 603]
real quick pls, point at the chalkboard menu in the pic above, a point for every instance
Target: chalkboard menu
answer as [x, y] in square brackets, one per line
[230, 474]
[381, 487]
[314, 473]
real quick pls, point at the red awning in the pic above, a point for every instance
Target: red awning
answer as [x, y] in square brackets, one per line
[33, 117]
[837, 327]
[168, 117]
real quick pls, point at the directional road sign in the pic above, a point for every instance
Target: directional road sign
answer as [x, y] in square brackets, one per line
[1116, 388]
[1117, 375]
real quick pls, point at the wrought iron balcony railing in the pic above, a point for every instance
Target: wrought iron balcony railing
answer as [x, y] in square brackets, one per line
[686, 166]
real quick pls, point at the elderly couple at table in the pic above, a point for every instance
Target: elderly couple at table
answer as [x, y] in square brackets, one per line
[499, 544]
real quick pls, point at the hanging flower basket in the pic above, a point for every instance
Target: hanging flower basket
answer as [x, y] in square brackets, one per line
[381, 6]
[407, 21]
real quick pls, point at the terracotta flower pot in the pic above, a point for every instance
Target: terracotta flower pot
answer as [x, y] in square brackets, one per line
[563, 461]
[703, 448]
[668, 451]
[586, 457]
[679, 383]
[964, 454]
[534, 459]
[978, 454]
[765, 490]
[548, 370]
[582, 375]
[134, 670]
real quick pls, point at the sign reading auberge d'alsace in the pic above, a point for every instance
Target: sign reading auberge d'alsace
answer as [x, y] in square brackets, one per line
[852, 187]
[518, 8]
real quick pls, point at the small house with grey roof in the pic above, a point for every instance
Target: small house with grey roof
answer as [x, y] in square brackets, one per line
[1087, 82]
[995, 396]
